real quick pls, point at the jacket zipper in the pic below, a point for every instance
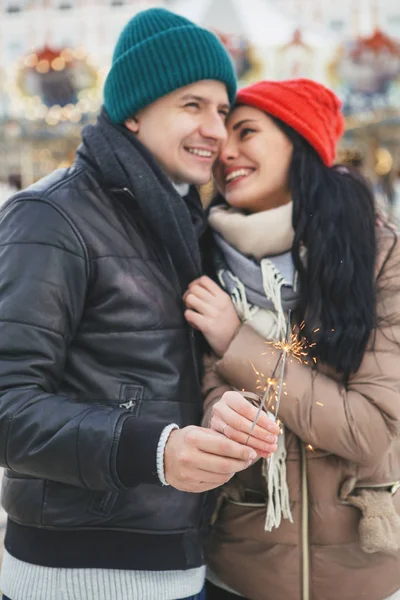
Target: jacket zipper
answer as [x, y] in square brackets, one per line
[305, 526]
[194, 355]
[393, 486]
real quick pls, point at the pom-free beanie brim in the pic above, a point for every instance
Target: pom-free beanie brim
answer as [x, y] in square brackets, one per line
[162, 63]
[310, 108]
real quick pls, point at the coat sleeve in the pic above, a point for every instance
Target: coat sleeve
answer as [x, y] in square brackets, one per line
[357, 421]
[44, 274]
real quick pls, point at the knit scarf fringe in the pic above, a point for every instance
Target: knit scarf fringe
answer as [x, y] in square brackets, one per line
[274, 468]
[278, 501]
[273, 281]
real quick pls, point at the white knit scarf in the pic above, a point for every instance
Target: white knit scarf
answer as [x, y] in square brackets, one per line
[262, 235]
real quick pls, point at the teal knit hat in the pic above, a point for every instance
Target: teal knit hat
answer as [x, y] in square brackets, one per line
[158, 52]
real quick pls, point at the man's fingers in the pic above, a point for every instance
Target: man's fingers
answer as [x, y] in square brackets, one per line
[209, 477]
[215, 443]
[216, 468]
[200, 486]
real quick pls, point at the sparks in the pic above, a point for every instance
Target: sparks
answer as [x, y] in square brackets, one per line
[272, 387]
[293, 347]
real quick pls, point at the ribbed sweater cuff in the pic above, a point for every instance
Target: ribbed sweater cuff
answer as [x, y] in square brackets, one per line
[161, 449]
[137, 451]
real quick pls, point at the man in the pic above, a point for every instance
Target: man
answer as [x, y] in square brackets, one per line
[99, 372]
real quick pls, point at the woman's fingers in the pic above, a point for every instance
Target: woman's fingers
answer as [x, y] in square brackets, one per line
[196, 320]
[194, 302]
[201, 292]
[210, 285]
[242, 413]
[262, 448]
[233, 415]
[242, 424]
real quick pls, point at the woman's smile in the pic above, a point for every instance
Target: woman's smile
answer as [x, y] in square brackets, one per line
[234, 175]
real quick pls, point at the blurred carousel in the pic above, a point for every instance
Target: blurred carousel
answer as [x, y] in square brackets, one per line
[51, 94]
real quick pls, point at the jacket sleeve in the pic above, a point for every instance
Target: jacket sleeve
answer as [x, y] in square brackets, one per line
[44, 274]
[357, 421]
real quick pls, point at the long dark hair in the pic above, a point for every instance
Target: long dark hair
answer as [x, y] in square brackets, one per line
[334, 253]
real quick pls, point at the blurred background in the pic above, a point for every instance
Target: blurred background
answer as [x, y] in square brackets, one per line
[55, 54]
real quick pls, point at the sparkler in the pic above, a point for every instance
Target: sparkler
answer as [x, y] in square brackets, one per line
[273, 467]
[291, 346]
[270, 386]
[284, 347]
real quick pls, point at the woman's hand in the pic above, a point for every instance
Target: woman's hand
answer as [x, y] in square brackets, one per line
[233, 416]
[211, 310]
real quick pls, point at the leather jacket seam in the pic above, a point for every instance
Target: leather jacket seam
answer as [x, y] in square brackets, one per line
[68, 220]
[32, 325]
[42, 244]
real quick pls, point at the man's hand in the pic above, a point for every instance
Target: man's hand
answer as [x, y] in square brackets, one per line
[198, 459]
[233, 415]
[211, 310]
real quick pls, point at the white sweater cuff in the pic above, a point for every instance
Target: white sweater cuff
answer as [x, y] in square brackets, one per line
[166, 432]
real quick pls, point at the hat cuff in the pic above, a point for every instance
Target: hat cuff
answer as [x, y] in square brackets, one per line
[158, 66]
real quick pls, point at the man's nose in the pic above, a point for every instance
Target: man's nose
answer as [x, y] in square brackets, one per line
[214, 127]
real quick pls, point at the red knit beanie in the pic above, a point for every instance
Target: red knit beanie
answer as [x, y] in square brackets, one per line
[307, 106]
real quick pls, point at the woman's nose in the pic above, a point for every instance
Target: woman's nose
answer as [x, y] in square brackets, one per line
[228, 152]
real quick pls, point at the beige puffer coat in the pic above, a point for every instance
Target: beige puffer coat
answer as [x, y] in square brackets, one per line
[338, 438]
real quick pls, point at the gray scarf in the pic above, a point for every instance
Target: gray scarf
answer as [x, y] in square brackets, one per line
[233, 265]
[124, 162]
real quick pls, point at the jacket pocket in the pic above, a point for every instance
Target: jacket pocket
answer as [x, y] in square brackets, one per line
[392, 486]
[351, 488]
[131, 396]
[251, 498]
[238, 521]
[102, 503]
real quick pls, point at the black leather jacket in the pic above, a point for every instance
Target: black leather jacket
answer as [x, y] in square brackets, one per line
[92, 334]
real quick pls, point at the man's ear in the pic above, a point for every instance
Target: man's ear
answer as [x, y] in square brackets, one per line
[132, 124]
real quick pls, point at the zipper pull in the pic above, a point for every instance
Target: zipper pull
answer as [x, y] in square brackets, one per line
[128, 405]
[129, 192]
[395, 487]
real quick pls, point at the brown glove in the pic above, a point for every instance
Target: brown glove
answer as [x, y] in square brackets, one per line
[379, 527]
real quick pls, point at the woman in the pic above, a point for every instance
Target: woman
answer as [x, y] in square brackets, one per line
[296, 236]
